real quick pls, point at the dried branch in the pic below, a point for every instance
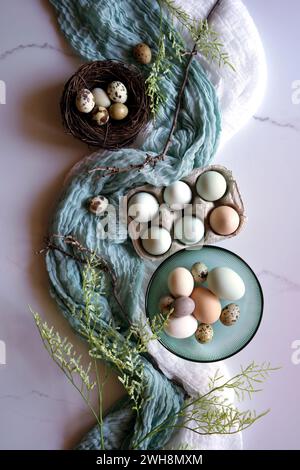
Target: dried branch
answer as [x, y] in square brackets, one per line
[151, 161]
[99, 261]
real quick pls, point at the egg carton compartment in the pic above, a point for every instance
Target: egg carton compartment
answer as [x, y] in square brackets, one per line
[200, 208]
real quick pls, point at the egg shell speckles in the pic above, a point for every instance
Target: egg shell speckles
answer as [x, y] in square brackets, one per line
[204, 333]
[85, 101]
[98, 204]
[100, 115]
[230, 314]
[199, 271]
[142, 53]
[117, 92]
[165, 304]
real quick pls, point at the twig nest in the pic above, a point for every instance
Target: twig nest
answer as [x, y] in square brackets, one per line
[101, 98]
[100, 115]
[204, 333]
[94, 78]
[117, 92]
[118, 111]
[142, 53]
[85, 101]
[98, 204]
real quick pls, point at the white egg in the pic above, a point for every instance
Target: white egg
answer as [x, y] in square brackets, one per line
[101, 98]
[85, 101]
[142, 207]
[177, 194]
[211, 185]
[226, 284]
[181, 327]
[156, 240]
[189, 230]
[117, 92]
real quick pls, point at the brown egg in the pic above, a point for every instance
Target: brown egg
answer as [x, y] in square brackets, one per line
[208, 307]
[224, 220]
[142, 53]
[118, 111]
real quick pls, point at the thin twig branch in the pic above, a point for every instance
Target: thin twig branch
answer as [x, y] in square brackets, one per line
[150, 160]
[100, 262]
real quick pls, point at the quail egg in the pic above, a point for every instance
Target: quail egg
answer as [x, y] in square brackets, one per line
[85, 101]
[204, 333]
[230, 314]
[100, 115]
[199, 272]
[117, 92]
[98, 204]
[142, 53]
[165, 304]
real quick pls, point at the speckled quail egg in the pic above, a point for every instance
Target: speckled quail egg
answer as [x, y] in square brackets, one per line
[101, 98]
[165, 304]
[98, 204]
[204, 333]
[117, 92]
[85, 101]
[118, 111]
[199, 271]
[230, 314]
[100, 115]
[142, 53]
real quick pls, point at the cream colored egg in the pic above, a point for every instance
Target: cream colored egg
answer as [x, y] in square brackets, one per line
[181, 327]
[211, 185]
[226, 284]
[143, 207]
[189, 230]
[180, 282]
[117, 92]
[156, 240]
[177, 195]
[101, 98]
[85, 101]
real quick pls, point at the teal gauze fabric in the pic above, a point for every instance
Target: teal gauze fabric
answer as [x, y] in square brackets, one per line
[105, 29]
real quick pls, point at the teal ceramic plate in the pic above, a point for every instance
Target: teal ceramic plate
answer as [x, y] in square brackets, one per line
[227, 340]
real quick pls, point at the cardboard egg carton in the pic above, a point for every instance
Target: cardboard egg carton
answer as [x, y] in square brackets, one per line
[198, 207]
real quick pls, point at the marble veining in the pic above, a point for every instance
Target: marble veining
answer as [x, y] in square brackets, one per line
[274, 122]
[44, 46]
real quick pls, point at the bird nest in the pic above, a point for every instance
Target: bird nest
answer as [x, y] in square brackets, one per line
[114, 134]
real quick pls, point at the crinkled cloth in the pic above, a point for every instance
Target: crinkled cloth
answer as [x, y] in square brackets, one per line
[102, 29]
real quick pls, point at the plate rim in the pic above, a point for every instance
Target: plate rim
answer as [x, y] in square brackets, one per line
[261, 310]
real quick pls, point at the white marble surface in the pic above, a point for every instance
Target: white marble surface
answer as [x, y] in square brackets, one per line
[38, 408]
